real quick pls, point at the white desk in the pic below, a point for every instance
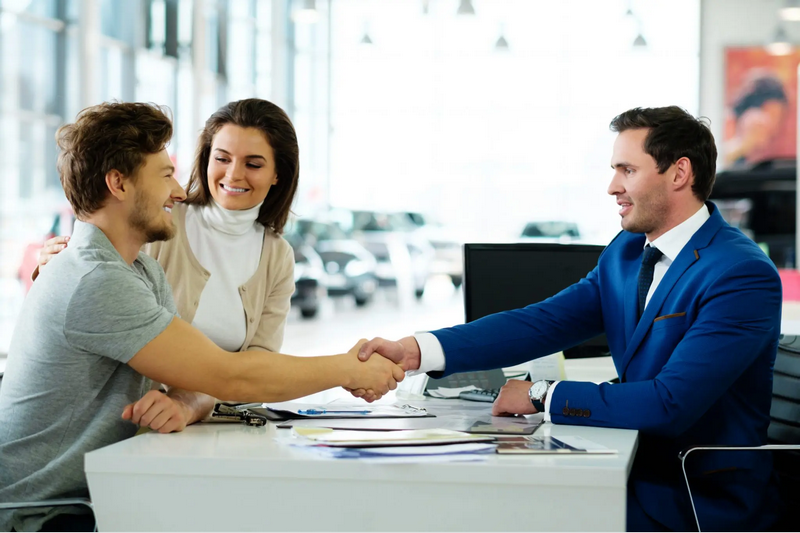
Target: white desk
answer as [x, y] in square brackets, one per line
[228, 477]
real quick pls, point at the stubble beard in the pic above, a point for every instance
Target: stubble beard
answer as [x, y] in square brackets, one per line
[651, 213]
[139, 220]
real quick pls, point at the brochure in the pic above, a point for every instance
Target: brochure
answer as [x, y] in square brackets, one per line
[550, 445]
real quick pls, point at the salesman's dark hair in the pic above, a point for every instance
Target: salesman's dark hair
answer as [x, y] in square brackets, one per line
[673, 134]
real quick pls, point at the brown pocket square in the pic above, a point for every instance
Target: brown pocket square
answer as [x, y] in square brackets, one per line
[673, 315]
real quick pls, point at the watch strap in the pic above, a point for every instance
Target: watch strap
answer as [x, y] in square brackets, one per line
[539, 404]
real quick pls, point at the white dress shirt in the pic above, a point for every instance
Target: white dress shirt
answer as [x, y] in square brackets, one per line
[671, 243]
[228, 245]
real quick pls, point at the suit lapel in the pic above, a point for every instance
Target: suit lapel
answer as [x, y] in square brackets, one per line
[631, 296]
[688, 256]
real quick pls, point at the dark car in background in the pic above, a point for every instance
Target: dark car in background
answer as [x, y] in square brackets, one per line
[350, 268]
[309, 277]
[550, 231]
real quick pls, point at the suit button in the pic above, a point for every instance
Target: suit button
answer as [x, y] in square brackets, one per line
[244, 289]
[587, 413]
[252, 320]
[579, 412]
[565, 411]
[572, 412]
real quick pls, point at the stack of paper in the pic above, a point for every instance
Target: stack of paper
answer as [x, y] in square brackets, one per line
[349, 438]
[409, 446]
[475, 451]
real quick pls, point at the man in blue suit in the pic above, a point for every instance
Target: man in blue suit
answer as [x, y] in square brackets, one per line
[691, 308]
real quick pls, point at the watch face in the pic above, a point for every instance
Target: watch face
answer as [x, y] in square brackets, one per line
[538, 389]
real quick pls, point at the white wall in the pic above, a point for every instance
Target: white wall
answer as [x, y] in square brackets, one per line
[731, 23]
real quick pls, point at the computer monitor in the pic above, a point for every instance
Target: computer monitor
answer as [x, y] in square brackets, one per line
[500, 277]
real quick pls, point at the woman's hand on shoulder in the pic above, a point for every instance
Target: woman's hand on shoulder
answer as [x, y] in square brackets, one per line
[51, 248]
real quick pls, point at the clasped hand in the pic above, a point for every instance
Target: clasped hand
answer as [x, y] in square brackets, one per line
[159, 412]
[374, 377]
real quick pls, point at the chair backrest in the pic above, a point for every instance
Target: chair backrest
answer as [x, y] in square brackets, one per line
[784, 428]
[785, 412]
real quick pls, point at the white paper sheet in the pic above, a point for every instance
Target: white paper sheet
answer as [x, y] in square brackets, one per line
[450, 393]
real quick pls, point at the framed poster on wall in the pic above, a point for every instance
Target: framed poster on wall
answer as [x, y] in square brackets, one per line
[760, 106]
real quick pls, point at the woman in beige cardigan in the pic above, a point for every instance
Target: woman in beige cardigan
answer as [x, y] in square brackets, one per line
[231, 272]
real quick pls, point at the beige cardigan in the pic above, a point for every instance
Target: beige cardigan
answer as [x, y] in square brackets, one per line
[265, 296]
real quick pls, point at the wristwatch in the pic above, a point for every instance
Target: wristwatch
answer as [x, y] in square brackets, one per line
[538, 393]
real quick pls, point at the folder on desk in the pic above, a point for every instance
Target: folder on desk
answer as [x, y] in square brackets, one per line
[363, 439]
[294, 410]
[549, 445]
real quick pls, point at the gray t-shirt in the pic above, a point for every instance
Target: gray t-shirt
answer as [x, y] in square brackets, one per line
[67, 381]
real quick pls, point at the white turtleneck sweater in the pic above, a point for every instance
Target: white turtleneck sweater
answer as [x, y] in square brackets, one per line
[228, 245]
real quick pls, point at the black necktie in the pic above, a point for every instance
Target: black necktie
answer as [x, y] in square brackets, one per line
[649, 259]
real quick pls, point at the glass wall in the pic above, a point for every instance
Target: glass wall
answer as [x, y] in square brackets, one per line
[430, 113]
[59, 56]
[484, 121]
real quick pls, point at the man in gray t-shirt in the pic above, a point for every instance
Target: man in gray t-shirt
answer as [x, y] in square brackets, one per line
[99, 313]
[101, 317]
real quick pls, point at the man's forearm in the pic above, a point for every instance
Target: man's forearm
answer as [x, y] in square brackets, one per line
[198, 405]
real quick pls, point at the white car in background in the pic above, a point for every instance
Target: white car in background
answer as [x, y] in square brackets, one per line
[404, 257]
[448, 250]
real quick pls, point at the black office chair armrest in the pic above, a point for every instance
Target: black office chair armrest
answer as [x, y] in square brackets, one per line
[59, 502]
[685, 453]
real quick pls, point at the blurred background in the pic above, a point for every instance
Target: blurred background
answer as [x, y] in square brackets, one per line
[423, 124]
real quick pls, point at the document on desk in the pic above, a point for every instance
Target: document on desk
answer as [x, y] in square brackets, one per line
[295, 410]
[475, 451]
[355, 439]
[550, 445]
[442, 392]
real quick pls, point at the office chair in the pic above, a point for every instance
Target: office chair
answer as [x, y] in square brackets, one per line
[60, 502]
[783, 433]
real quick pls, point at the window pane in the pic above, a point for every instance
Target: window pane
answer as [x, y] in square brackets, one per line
[123, 21]
[41, 8]
[37, 73]
[27, 159]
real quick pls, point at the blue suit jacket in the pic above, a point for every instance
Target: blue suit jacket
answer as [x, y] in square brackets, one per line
[696, 369]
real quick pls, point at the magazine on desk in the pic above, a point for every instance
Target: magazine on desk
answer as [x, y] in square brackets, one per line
[550, 445]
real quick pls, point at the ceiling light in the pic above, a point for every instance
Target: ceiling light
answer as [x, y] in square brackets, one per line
[639, 42]
[501, 44]
[465, 8]
[780, 45]
[365, 39]
[791, 10]
[308, 14]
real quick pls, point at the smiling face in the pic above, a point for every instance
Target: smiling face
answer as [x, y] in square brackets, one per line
[641, 192]
[156, 191]
[241, 167]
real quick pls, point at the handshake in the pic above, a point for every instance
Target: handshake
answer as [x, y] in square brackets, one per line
[404, 355]
[372, 377]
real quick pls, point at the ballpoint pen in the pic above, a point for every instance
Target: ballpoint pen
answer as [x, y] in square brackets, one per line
[327, 412]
